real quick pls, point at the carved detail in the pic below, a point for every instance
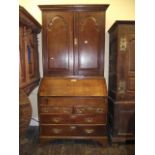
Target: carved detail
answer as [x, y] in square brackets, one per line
[84, 21]
[123, 44]
[121, 87]
[52, 20]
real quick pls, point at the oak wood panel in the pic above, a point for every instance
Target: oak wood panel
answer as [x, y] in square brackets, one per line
[73, 87]
[89, 56]
[57, 43]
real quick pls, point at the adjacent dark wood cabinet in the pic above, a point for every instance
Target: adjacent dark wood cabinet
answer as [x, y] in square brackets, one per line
[28, 47]
[72, 97]
[122, 81]
[73, 41]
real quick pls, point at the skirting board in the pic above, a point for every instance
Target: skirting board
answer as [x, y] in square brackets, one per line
[34, 122]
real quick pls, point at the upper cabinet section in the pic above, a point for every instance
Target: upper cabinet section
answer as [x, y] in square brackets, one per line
[73, 39]
[28, 50]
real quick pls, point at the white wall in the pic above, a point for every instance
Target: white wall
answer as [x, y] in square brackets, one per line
[118, 10]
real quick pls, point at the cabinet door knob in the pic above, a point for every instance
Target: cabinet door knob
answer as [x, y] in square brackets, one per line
[52, 58]
[75, 41]
[86, 41]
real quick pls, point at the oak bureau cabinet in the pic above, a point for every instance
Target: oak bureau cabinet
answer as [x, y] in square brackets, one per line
[122, 81]
[72, 97]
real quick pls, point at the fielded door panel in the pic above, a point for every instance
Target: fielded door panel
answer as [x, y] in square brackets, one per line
[89, 43]
[58, 43]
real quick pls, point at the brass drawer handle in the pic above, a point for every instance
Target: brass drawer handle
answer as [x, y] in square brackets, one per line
[79, 111]
[90, 109]
[99, 110]
[44, 110]
[89, 120]
[56, 108]
[72, 127]
[56, 130]
[73, 116]
[89, 131]
[65, 111]
[56, 120]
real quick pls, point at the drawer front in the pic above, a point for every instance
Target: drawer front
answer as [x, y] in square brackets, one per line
[89, 109]
[56, 101]
[55, 119]
[73, 101]
[91, 119]
[56, 109]
[73, 119]
[72, 130]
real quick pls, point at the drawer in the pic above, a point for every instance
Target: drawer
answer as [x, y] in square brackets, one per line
[72, 130]
[73, 119]
[56, 101]
[73, 101]
[56, 119]
[56, 109]
[89, 109]
[91, 119]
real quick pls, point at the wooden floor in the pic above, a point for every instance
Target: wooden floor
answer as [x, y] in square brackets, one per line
[29, 146]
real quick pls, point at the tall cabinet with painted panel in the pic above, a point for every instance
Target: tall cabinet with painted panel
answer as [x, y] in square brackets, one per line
[28, 66]
[122, 81]
[28, 47]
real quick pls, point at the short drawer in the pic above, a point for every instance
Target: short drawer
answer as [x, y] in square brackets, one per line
[73, 119]
[56, 101]
[72, 130]
[89, 109]
[91, 119]
[55, 119]
[56, 109]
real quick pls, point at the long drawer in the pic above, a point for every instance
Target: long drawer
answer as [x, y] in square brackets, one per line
[73, 119]
[69, 105]
[72, 110]
[72, 130]
[73, 101]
